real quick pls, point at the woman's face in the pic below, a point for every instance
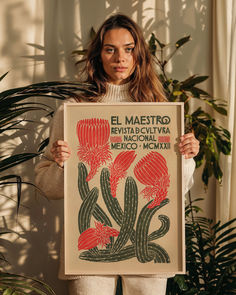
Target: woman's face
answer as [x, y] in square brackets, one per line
[117, 55]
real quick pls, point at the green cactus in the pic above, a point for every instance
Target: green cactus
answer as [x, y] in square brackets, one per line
[142, 228]
[130, 213]
[160, 254]
[127, 252]
[82, 183]
[164, 228]
[83, 187]
[86, 210]
[142, 247]
[112, 203]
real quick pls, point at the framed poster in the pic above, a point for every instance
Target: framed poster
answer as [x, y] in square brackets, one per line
[124, 207]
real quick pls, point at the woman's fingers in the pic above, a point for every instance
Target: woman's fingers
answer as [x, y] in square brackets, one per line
[60, 152]
[189, 145]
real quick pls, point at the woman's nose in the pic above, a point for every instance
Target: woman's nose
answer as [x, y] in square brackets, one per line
[120, 56]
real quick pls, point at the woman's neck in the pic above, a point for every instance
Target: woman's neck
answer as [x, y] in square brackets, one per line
[116, 93]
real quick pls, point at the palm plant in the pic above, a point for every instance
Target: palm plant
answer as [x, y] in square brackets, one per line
[210, 257]
[12, 284]
[14, 104]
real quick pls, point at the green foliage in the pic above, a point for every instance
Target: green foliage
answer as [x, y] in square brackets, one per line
[14, 104]
[18, 284]
[11, 284]
[210, 257]
[214, 139]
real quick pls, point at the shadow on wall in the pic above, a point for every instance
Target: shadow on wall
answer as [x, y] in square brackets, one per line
[190, 18]
[13, 45]
[64, 27]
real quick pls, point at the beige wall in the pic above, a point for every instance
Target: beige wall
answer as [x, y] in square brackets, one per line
[36, 41]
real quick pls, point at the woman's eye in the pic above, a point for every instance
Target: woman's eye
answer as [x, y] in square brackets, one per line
[110, 50]
[114, 50]
[129, 49]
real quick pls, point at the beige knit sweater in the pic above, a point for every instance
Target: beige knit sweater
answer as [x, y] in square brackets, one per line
[47, 169]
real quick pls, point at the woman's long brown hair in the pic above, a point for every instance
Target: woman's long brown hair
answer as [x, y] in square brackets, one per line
[144, 83]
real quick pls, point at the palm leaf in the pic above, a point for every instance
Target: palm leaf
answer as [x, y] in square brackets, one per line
[23, 284]
[15, 160]
[210, 258]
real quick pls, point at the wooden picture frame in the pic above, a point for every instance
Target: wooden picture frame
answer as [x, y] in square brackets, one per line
[124, 198]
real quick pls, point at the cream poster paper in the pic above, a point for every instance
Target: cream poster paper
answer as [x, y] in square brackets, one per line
[123, 189]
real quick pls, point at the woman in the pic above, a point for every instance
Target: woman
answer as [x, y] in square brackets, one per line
[119, 66]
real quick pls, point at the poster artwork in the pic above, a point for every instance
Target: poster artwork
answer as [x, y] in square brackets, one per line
[123, 189]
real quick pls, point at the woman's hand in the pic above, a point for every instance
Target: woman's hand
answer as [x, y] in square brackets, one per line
[60, 152]
[189, 145]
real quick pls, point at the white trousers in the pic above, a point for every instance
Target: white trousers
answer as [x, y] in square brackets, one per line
[106, 285]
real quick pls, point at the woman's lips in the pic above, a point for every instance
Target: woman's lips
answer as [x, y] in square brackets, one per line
[120, 69]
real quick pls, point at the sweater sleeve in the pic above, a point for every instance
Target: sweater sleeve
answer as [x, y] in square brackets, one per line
[49, 176]
[188, 167]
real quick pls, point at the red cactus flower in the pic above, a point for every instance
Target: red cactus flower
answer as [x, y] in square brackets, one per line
[93, 135]
[93, 237]
[118, 169]
[152, 171]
